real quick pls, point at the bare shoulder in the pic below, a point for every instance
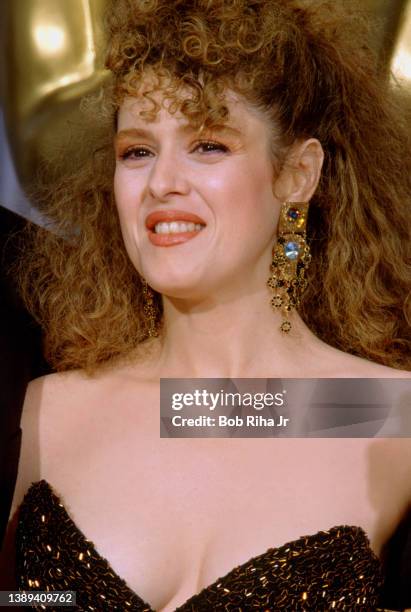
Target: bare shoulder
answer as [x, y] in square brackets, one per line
[60, 387]
[340, 364]
[389, 472]
[50, 396]
[376, 370]
[43, 395]
[52, 408]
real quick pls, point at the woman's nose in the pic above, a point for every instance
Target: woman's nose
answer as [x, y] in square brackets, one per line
[167, 177]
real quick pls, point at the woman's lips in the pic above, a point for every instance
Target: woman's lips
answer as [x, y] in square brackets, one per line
[165, 240]
[167, 216]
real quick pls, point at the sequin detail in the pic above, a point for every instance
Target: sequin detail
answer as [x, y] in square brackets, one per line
[330, 570]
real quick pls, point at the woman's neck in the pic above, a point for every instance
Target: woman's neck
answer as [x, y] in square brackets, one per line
[239, 338]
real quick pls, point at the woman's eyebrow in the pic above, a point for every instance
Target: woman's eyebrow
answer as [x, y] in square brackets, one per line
[229, 129]
[144, 133]
[132, 132]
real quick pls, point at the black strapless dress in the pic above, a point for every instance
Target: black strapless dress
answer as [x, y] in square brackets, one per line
[330, 570]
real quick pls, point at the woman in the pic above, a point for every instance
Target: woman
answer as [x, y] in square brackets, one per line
[230, 118]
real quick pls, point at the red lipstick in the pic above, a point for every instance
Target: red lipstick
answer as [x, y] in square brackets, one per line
[171, 215]
[168, 216]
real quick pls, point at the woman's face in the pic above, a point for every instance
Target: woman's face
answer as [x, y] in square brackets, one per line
[218, 185]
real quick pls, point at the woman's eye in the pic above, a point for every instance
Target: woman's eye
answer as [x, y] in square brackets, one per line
[208, 146]
[136, 153]
[205, 146]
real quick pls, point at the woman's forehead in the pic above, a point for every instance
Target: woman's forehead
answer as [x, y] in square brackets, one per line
[159, 105]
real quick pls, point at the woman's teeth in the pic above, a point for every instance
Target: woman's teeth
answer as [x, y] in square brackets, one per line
[176, 227]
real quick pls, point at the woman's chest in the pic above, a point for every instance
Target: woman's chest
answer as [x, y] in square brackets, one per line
[173, 515]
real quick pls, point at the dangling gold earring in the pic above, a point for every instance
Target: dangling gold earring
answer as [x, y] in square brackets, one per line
[149, 309]
[291, 257]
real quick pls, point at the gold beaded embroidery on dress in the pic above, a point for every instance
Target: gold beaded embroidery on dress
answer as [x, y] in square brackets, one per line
[330, 570]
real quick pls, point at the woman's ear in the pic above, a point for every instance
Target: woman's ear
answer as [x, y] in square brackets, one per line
[301, 171]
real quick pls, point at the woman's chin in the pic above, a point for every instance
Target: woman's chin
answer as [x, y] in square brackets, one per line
[184, 293]
[182, 289]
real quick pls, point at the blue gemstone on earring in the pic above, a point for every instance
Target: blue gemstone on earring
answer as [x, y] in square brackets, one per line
[293, 213]
[291, 250]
